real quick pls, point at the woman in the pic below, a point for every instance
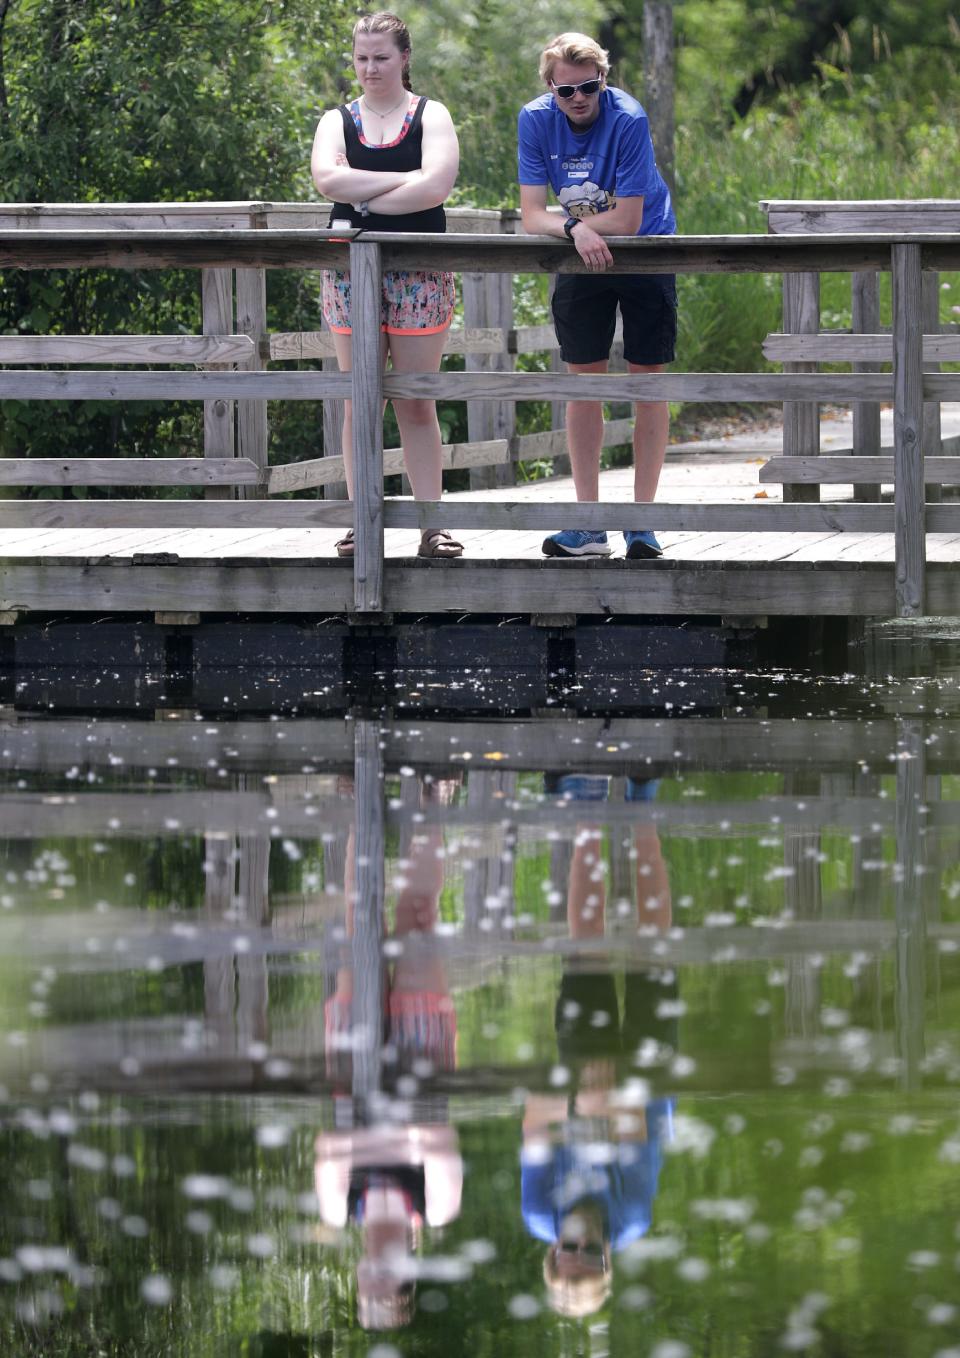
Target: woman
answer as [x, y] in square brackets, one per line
[389, 160]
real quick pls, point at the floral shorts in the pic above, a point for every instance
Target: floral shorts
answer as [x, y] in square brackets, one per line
[414, 301]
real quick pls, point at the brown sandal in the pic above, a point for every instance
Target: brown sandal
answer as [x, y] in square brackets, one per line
[437, 545]
[345, 546]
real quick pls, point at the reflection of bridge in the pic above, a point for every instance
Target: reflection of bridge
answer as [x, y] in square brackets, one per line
[879, 780]
[260, 555]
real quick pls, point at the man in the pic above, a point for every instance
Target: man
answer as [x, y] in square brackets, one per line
[590, 143]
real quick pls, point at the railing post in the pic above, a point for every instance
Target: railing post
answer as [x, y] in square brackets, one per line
[930, 323]
[488, 301]
[907, 429]
[367, 397]
[558, 409]
[332, 426]
[252, 415]
[216, 293]
[910, 992]
[801, 419]
[367, 940]
[865, 309]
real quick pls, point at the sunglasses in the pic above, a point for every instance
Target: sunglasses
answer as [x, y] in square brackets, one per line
[593, 1255]
[585, 87]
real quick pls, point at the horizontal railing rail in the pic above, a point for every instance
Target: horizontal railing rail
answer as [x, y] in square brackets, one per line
[215, 250]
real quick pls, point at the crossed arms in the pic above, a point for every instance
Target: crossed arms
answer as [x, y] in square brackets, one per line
[391, 192]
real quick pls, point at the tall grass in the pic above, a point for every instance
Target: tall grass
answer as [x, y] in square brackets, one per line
[847, 137]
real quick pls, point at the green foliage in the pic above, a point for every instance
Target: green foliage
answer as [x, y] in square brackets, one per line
[481, 61]
[148, 101]
[144, 101]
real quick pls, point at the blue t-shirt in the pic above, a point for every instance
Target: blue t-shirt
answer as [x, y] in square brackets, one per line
[588, 170]
[622, 1179]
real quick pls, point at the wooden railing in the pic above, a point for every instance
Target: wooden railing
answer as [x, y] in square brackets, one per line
[250, 251]
[804, 344]
[488, 339]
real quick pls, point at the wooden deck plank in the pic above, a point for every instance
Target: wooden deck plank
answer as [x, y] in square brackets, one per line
[294, 569]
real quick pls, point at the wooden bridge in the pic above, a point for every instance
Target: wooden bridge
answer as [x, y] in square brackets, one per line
[241, 549]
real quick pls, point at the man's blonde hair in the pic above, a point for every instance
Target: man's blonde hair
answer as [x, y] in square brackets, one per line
[576, 1297]
[574, 47]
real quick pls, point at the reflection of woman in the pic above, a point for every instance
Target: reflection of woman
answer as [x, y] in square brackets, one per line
[390, 159]
[420, 1018]
[392, 1179]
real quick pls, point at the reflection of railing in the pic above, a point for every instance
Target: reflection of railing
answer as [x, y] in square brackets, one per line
[249, 251]
[825, 786]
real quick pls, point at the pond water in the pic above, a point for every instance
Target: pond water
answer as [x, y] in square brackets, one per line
[421, 1035]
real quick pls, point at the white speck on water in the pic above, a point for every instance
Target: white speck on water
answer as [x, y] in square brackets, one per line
[198, 1223]
[136, 1227]
[261, 1246]
[523, 1306]
[241, 1199]
[479, 1251]
[384, 1351]
[670, 1348]
[693, 1270]
[636, 1297]
[941, 1313]
[86, 1157]
[691, 1135]
[837, 1087]
[652, 1247]
[734, 1210]
[920, 1260]
[205, 1186]
[273, 1136]
[223, 1277]
[156, 1289]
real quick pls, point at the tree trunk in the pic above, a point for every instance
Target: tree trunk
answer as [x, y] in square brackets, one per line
[658, 81]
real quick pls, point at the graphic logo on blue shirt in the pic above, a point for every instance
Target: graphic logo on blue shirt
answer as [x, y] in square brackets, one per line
[586, 199]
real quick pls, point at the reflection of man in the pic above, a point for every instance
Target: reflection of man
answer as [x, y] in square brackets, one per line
[393, 1180]
[591, 144]
[591, 1161]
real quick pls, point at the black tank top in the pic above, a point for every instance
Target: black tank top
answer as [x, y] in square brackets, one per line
[405, 154]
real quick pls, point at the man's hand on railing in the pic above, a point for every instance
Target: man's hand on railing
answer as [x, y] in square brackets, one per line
[591, 247]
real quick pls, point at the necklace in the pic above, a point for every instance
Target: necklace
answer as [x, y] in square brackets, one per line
[386, 114]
